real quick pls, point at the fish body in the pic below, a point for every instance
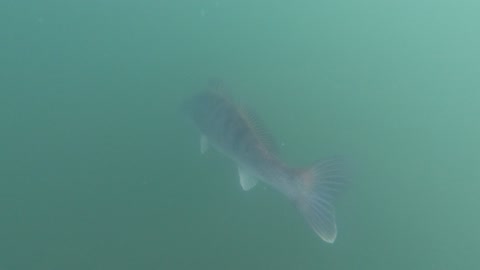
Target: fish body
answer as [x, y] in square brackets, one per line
[238, 134]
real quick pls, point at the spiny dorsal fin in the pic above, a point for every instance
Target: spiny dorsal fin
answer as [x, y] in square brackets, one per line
[216, 85]
[260, 130]
[218, 88]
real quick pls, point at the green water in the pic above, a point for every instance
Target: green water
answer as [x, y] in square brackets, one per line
[99, 170]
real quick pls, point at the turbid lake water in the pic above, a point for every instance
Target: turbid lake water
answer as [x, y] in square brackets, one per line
[100, 170]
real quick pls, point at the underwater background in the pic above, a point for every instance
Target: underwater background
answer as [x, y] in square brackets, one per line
[100, 170]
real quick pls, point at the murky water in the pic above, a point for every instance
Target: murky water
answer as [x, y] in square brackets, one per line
[99, 170]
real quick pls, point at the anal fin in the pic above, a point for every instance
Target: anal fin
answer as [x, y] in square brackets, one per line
[246, 181]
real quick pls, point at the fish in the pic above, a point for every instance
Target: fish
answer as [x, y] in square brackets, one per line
[239, 134]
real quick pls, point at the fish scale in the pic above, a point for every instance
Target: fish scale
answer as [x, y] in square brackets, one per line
[231, 130]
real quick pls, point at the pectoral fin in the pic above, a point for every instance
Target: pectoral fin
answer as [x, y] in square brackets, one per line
[246, 181]
[203, 144]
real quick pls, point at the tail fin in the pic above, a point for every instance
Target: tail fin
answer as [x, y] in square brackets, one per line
[319, 185]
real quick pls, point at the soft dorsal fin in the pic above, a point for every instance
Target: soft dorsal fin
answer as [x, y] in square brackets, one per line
[259, 128]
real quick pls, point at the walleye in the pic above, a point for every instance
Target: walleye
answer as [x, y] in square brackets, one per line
[236, 132]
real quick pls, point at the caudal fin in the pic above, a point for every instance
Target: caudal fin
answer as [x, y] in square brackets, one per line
[319, 186]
